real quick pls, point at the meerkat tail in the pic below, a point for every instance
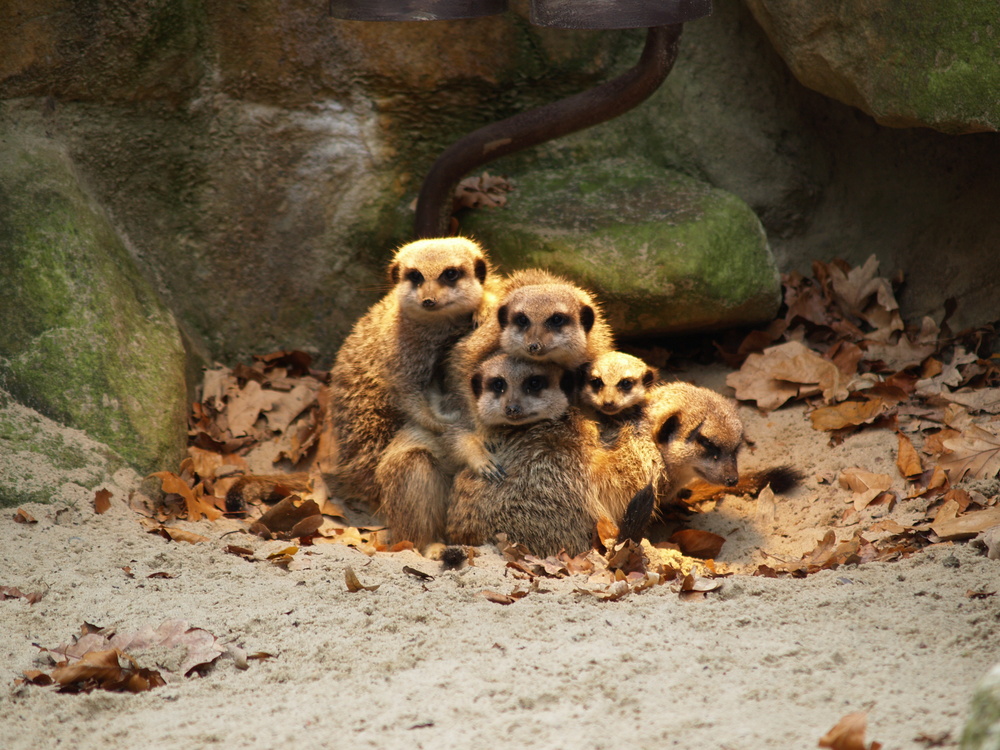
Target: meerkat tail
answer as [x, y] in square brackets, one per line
[781, 478]
[638, 514]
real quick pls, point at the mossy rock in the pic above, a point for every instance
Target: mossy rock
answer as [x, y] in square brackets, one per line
[42, 461]
[85, 340]
[665, 253]
[982, 730]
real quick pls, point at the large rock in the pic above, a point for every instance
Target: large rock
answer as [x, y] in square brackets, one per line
[85, 340]
[664, 252]
[922, 63]
[982, 730]
[42, 461]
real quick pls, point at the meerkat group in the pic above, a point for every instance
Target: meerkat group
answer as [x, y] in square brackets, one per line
[465, 405]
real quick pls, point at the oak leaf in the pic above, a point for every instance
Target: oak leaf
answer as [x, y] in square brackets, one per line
[976, 453]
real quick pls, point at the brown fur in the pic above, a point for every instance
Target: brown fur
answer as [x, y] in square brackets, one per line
[698, 433]
[544, 445]
[540, 317]
[385, 368]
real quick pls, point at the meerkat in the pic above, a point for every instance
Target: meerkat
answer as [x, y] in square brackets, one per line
[384, 370]
[524, 411]
[698, 434]
[540, 318]
[614, 391]
[614, 396]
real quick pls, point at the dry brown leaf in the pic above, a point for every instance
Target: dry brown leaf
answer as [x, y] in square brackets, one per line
[498, 598]
[787, 371]
[289, 513]
[848, 414]
[865, 485]
[193, 497]
[102, 501]
[353, 584]
[907, 460]
[975, 454]
[23, 516]
[849, 734]
[976, 399]
[13, 592]
[178, 535]
[696, 543]
[966, 526]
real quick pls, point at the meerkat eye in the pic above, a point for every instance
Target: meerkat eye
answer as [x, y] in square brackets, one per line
[711, 448]
[596, 384]
[450, 275]
[625, 385]
[521, 320]
[535, 383]
[415, 277]
[498, 385]
[558, 320]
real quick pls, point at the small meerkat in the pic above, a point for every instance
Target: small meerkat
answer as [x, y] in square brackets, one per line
[540, 317]
[614, 390]
[524, 413]
[614, 395]
[385, 368]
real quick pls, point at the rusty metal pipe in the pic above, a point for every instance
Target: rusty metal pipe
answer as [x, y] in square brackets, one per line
[541, 124]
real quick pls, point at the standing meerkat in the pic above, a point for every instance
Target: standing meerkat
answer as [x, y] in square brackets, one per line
[385, 368]
[539, 318]
[523, 411]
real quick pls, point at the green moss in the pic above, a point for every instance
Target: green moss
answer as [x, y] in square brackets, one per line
[85, 339]
[665, 252]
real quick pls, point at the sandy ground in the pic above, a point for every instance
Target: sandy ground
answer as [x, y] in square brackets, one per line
[761, 663]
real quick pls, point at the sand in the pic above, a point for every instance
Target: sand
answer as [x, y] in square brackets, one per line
[760, 663]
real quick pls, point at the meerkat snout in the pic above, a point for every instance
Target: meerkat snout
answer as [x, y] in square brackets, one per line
[429, 303]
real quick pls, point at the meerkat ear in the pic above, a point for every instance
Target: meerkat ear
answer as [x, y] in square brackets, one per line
[587, 317]
[394, 273]
[477, 385]
[502, 316]
[649, 377]
[480, 270]
[567, 383]
[669, 428]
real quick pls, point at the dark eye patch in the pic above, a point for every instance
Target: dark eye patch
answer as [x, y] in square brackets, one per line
[498, 385]
[596, 383]
[558, 320]
[521, 320]
[450, 275]
[625, 385]
[415, 277]
[536, 383]
[711, 448]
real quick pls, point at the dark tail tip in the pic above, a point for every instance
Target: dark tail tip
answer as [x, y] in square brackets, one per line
[637, 515]
[453, 558]
[783, 478]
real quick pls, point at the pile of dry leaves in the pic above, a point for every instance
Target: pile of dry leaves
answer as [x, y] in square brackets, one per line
[842, 347]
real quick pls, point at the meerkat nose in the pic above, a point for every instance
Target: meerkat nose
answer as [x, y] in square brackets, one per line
[534, 348]
[429, 303]
[512, 410]
[732, 481]
[608, 405]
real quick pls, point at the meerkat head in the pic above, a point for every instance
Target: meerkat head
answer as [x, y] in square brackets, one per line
[615, 382]
[698, 433]
[514, 392]
[547, 323]
[439, 279]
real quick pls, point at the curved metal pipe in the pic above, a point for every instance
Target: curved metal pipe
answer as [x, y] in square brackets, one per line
[541, 124]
